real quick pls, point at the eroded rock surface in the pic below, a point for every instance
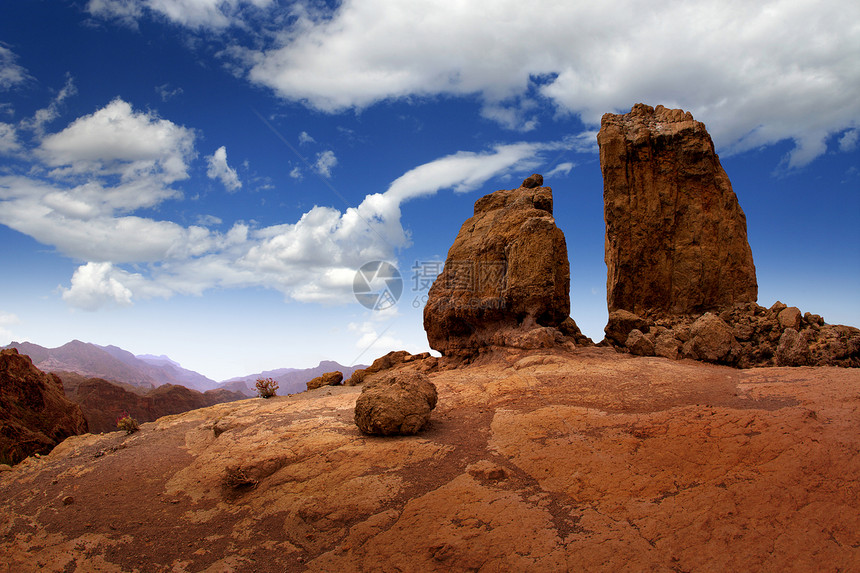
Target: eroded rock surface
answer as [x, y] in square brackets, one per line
[35, 414]
[397, 404]
[549, 460]
[506, 271]
[676, 237]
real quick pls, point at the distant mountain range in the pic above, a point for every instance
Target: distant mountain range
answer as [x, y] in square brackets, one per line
[147, 371]
[290, 380]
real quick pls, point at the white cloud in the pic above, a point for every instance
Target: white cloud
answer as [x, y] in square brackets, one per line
[218, 169]
[117, 140]
[296, 173]
[46, 115]
[93, 286]
[561, 169]
[11, 74]
[848, 142]
[326, 160]
[191, 13]
[107, 165]
[755, 72]
[8, 138]
[304, 138]
[465, 170]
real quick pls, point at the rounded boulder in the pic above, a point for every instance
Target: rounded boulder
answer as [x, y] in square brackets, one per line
[397, 404]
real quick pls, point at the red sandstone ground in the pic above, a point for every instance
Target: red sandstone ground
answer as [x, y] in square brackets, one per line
[547, 460]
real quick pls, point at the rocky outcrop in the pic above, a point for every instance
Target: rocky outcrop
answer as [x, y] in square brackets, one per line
[745, 335]
[399, 403]
[327, 379]
[422, 363]
[507, 272]
[676, 237]
[35, 414]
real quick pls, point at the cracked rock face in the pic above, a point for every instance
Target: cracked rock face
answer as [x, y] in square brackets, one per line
[507, 270]
[676, 237]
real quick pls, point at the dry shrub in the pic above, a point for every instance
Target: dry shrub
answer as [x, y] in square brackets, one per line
[127, 424]
[266, 387]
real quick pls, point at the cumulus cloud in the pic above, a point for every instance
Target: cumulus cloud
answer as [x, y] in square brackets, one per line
[120, 141]
[325, 162]
[218, 169]
[89, 180]
[11, 74]
[848, 141]
[755, 72]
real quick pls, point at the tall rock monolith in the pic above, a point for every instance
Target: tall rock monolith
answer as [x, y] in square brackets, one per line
[506, 279]
[676, 237]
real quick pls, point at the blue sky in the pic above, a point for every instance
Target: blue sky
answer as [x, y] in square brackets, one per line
[203, 178]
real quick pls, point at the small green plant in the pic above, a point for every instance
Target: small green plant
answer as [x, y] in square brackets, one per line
[266, 387]
[127, 424]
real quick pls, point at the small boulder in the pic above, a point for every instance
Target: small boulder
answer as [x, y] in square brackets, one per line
[532, 181]
[793, 350]
[789, 317]
[667, 346]
[712, 340]
[327, 379]
[639, 343]
[620, 323]
[398, 403]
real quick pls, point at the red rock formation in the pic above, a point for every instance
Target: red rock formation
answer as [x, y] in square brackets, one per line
[35, 414]
[676, 238]
[506, 271]
[397, 404]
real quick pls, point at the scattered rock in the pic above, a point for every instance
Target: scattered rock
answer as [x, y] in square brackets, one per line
[35, 414]
[327, 379]
[639, 343]
[676, 238]
[398, 403]
[507, 270]
[789, 317]
[621, 323]
[667, 346]
[793, 350]
[712, 340]
[68, 500]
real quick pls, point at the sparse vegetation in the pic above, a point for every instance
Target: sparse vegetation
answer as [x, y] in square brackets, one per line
[266, 388]
[127, 424]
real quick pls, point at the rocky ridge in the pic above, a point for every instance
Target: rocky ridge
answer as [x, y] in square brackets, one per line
[35, 414]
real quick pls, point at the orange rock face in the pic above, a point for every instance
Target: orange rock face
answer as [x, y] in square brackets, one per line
[507, 270]
[676, 237]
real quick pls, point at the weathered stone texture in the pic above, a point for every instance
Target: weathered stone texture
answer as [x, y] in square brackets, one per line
[507, 270]
[676, 238]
